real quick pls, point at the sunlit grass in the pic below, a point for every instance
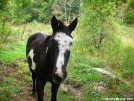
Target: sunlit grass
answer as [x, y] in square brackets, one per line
[127, 34]
[12, 53]
[25, 30]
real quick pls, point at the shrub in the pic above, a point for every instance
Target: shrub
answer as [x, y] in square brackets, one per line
[129, 17]
[4, 33]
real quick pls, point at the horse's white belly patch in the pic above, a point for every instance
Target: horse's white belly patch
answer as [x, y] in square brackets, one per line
[31, 55]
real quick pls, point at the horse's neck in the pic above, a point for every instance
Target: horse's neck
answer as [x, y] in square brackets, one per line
[45, 53]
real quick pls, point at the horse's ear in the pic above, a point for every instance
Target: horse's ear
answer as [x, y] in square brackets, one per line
[73, 24]
[54, 22]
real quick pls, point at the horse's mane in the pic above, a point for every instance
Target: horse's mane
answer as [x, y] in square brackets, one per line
[60, 23]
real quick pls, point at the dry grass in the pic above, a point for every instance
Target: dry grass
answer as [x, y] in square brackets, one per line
[27, 29]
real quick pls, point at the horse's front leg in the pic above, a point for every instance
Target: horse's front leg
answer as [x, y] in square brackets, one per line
[40, 89]
[54, 91]
[34, 88]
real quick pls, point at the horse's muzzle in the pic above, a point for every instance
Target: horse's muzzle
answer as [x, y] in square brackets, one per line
[57, 79]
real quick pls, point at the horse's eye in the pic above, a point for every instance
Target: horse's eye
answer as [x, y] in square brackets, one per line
[70, 44]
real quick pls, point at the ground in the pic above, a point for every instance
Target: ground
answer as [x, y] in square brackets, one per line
[6, 73]
[16, 85]
[18, 89]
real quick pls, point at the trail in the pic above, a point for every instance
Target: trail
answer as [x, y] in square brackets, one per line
[25, 87]
[71, 90]
[7, 72]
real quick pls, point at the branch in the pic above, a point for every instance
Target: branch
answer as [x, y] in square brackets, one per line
[6, 36]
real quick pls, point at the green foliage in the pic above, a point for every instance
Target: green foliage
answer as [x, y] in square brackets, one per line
[129, 17]
[78, 65]
[10, 54]
[17, 11]
[5, 31]
[3, 4]
[41, 11]
[131, 4]
[98, 2]
[23, 3]
[22, 11]
[99, 36]
[66, 9]
[5, 95]
[113, 53]
[95, 26]
[7, 88]
[128, 57]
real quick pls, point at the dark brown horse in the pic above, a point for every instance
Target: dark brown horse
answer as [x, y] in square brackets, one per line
[48, 57]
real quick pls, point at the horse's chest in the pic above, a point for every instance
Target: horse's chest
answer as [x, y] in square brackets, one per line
[39, 61]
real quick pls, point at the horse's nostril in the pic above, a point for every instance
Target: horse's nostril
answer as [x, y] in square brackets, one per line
[65, 74]
[57, 78]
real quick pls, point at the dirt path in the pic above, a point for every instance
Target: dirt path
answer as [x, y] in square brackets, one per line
[6, 72]
[71, 90]
[24, 94]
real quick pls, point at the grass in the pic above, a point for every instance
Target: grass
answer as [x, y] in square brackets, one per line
[9, 87]
[16, 83]
[12, 53]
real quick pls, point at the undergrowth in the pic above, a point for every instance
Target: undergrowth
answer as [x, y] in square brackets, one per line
[117, 59]
[12, 53]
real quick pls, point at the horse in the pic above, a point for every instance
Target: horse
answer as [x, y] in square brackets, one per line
[48, 55]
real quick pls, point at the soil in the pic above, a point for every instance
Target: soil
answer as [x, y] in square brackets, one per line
[25, 90]
[71, 90]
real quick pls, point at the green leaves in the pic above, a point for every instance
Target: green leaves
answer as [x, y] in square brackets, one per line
[23, 3]
[96, 25]
[3, 4]
[129, 17]
[131, 4]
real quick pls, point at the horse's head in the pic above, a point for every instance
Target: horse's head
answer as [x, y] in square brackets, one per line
[61, 42]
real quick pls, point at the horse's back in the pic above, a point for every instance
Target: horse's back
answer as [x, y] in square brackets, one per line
[34, 41]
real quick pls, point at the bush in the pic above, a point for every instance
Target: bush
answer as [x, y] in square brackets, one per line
[128, 57]
[95, 26]
[131, 4]
[4, 33]
[129, 17]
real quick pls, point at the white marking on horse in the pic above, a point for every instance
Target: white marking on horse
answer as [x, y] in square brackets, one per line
[63, 45]
[46, 49]
[31, 55]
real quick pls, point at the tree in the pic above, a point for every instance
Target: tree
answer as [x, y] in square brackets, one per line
[4, 28]
[3, 4]
[96, 24]
[66, 9]
[17, 11]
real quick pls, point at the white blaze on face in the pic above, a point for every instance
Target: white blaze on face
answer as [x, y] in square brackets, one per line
[31, 55]
[64, 42]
